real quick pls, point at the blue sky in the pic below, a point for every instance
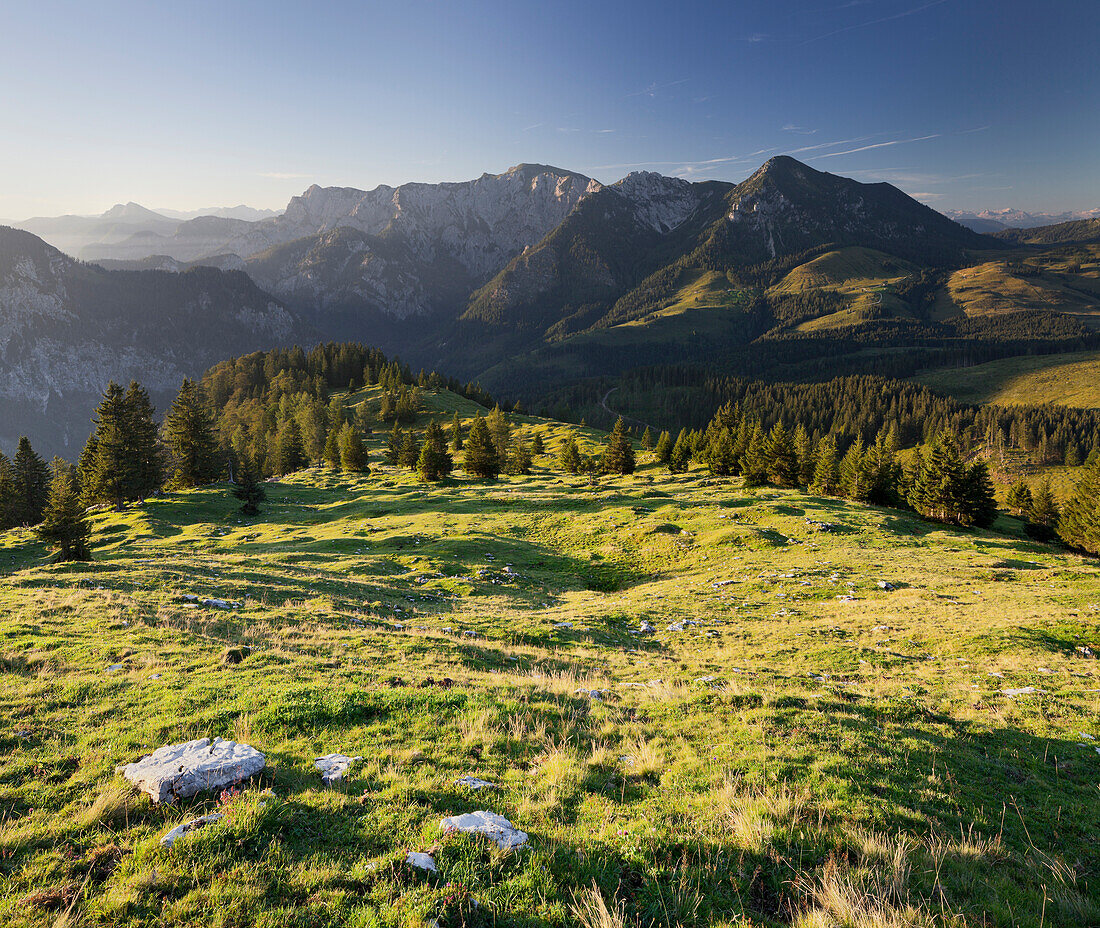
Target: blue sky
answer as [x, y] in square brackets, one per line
[961, 103]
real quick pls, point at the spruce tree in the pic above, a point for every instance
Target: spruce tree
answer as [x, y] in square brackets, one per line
[647, 440]
[537, 445]
[31, 476]
[618, 456]
[290, 455]
[410, 451]
[804, 452]
[1019, 498]
[394, 441]
[663, 450]
[188, 433]
[145, 462]
[352, 450]
[782, 461]
[680, 457]
[249, 490]
[981, 500]
[332, 447]
[826, 479]
[1079, 524]
[456, 433]
[501, 432]
[434, 462]
[480, 458]
[569, 455]
[754, 464]
[853, 476]
[7, 493]
[105, 477]
[519, 460]
[720, 458]
[943, 485]
[1043, 510]
[64, 526]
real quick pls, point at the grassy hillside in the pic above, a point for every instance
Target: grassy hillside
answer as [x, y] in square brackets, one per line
[1063, 379]
[794, 744]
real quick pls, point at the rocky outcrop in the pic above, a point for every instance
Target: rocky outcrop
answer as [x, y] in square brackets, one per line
[177, 771]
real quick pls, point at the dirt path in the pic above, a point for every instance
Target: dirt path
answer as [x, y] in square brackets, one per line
[629, 420]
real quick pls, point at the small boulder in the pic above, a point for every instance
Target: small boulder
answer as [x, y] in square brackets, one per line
[177, 771]
[180, 830]
[334, 766]
[474, 783]
[493, 826]
[421, 861]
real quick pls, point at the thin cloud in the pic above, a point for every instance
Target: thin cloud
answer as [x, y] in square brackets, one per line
[537, 125]
[875, 22]
[283, 175]
[755, 37]
[653, 89]
[852, 151]
[798, 130]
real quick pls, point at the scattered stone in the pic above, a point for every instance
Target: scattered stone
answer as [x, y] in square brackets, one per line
[493, 826]
[421, 861]
[886, 585]
[115, 667]
[645, 628]
[1023, 691]
[334, 766]
[474, 783]
[593, 694]
[563, 625]
[221, 604]
[180, 830]
[177, 771]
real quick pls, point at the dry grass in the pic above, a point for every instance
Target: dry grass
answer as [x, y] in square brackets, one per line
[112, 807]
[591, 909]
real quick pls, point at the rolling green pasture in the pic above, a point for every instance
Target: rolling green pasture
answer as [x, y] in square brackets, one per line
[793, 745]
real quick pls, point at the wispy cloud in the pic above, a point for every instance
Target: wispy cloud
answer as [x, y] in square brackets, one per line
[537, 125]
[655, 89]
[798, 130]
[875, 22]
[852, 151]
[283, 175]
[755, 37]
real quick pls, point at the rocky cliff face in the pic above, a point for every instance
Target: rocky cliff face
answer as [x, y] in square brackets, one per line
[67, 328]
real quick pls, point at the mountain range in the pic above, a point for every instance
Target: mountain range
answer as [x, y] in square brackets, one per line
[527, 280]
[995, 220]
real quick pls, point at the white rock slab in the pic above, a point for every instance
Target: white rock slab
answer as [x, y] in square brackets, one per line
[177, 771]
[421, 861]
[474, 783]
[334, 766]
[180, 830]
[1023, 691]
[493, 826]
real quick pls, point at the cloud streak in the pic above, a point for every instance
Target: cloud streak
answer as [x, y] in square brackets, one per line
[283, 175]
[852, 151]
[875, 22]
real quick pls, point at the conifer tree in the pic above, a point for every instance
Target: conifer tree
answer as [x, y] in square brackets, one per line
[456, 433]
[31, 490]
[754, 464]
[882, 472]
[782, 461]
[481, 458]
[680, 457]
[946, 490]
[105, 475]
[7, 493]
[188, 432]
[720, 458]
[537, 445]
[352, 450]
[853, 476]
[1079, 525]
[804, 452]
[519, 460]
[647, 440]
[1019, 498]
[290, 455]
[981, 499]
[501, 432]
[394, 442]
[249, 490]
[826, 479]
[64, 526]
[618, 456]
[569, 455]
[663, 450]
[1043, 510]
[434, 461]
[332, 447]
[145, 462]
[410, 451]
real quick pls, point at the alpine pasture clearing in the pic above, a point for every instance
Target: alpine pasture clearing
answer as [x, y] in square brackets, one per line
[1061, 379]
[793, 745]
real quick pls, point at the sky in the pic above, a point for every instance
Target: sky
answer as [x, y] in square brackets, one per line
[963, 104]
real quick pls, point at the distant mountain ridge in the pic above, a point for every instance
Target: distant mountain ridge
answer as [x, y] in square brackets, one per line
[988, 221]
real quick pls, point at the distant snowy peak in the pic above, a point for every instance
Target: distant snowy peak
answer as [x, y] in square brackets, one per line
[660, 202]
[992, 220]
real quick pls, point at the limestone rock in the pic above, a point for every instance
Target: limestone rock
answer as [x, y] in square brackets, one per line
[493, 826]
[474, 783]
[177, 771]
[421, 861]
[180, 830]
[334, 766]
